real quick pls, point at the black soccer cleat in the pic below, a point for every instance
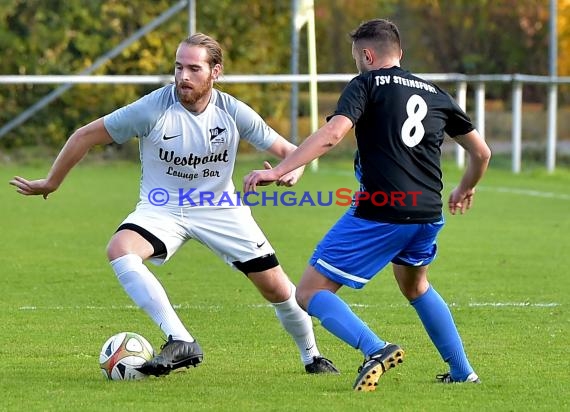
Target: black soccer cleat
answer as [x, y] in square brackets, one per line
[446, 378]
[375, 365]
[175, 354]
[321, 365]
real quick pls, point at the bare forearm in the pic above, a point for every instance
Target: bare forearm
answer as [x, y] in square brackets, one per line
[479, 155]
[317, 144]
[476, 167]
[312, 148]
[282, 148]
[72, 152]
[76, 147]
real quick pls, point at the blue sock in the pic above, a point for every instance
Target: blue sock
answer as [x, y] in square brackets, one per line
[438, 322]
[337, 317]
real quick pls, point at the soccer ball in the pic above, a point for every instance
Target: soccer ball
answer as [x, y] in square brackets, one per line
[122, 354]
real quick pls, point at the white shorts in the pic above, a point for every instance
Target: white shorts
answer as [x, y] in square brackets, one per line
[230, 232]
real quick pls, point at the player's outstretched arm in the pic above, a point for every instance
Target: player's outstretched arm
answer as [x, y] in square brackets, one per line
[76, 147]
[316, 145]
[281, 148]
[479, 154]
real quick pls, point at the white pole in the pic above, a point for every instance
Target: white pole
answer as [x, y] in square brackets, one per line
[462, 102]
[295, 27]
[308, 8]
[517, 126]
[551, 128]
[191, 17]
[552, 89]
[480, 108]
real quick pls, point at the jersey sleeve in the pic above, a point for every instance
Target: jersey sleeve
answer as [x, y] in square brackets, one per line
[251, 127]
[352, 100]
[139, 117]
[458, 123]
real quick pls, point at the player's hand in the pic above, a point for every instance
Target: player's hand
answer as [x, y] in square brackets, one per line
[32, 187]
[259, 178]
[460, 200]
[288, 179]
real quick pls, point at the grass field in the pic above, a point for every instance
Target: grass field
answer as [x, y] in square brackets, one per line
[503, 268]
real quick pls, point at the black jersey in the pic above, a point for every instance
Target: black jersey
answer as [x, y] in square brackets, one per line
[400, 121]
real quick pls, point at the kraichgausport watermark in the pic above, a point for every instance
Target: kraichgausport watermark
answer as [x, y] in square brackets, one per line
[340, 197]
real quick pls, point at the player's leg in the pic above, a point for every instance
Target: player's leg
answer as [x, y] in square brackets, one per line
[127, 250]
[410, 270]
[276, 288]
[436, 318]
[233, 234]
[351, 254]
[318, 294]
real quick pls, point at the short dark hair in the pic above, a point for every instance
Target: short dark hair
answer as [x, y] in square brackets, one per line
[383, 33]
[215, 55]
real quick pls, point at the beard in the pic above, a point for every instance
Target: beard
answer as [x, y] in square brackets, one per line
[189, 97]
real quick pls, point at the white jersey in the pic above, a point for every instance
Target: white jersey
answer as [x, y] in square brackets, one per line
[188, 159]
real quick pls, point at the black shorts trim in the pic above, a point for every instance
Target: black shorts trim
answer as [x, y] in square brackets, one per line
[259, 264]
[157, 244]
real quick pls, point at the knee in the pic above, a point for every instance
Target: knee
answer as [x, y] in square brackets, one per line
[127, 242]
[411, 280]
[273, 284]
[115, 250]
[303, 296]
[414, 291]
[118, 247]
[276, 292]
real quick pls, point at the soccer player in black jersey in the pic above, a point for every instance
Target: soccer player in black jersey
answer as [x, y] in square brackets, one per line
[400, 121]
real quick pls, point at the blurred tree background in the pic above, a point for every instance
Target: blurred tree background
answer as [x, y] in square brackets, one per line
[66, 37]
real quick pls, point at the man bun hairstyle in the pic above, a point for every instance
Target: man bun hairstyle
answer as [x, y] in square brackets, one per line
[215, 55]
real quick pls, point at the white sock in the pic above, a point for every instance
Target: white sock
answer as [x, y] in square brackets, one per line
[147, 292]
[299, 325]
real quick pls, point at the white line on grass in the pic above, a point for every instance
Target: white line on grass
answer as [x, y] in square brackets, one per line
[526, 192]
[358, 305]
[480, 304]
[499, 189]
[515, 304]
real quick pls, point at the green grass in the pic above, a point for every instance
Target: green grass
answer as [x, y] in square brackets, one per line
[502, 267]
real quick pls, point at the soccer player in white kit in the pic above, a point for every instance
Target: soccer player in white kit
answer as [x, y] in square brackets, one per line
[188, 136]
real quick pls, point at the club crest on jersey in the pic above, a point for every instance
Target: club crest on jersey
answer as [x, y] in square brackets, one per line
[217, 135]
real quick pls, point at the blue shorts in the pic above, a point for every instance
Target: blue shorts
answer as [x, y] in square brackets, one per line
[355, 249]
